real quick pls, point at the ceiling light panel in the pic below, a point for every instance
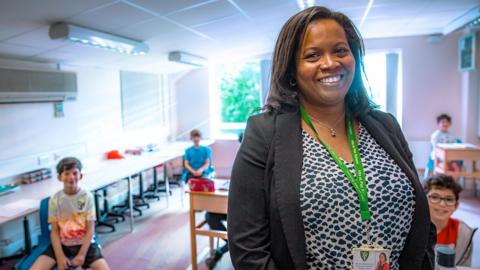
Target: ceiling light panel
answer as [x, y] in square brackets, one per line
[86, 36]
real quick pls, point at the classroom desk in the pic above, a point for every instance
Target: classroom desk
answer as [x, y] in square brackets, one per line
[457, 151]
[215, 202]
[95, 176]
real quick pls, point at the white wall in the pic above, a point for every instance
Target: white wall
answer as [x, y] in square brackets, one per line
[432, 85]
[431, 82]
[92, 123]
[192, 104]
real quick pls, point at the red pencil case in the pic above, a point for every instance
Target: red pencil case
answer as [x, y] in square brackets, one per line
[201, 184]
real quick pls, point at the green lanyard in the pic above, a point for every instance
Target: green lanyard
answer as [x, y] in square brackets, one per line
[358, 181]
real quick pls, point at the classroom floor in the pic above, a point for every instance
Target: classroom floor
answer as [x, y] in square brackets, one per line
[161, 240]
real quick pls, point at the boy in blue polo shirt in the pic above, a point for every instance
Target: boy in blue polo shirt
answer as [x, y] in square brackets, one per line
[198, 159]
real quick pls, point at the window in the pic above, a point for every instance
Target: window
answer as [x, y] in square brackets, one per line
[238, 93]
[375, 68]
[384, 78]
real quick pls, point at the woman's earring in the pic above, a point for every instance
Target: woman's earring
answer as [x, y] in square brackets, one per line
[293, 82]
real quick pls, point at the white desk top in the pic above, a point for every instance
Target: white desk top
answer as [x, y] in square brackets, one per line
[95, 176]
[458, 146]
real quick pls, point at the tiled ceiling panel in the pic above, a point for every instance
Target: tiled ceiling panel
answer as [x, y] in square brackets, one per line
[182, 40]
[236, 25]
[446, 5]
[146, 30]
[163, 7]
[57, 56]
[20, 16]
[269, 10]
[111, 17]
[17, 51]
[204, 14]
[38, 38]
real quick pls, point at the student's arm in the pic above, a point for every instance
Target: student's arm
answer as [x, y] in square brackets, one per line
[87, 239]
[205, 165]
[191, 170]
[62, 261]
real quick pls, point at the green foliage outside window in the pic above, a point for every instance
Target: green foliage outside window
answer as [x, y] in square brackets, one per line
[239, 91]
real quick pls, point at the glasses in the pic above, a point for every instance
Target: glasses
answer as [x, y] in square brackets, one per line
[450, 201]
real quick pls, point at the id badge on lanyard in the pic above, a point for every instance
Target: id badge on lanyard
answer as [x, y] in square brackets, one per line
[370, 256]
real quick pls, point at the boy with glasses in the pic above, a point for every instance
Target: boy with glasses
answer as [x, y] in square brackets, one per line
[443, 195]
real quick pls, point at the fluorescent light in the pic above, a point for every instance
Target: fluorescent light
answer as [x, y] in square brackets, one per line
[187, 58]
[97, 39]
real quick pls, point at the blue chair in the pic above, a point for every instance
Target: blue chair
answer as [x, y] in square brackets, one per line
[43, 242]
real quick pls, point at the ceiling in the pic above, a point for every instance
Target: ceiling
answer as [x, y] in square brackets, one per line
[216, 29]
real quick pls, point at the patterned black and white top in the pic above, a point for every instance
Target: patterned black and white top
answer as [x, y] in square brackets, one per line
[330, 207]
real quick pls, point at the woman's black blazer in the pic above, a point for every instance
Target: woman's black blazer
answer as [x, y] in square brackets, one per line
[265, 227]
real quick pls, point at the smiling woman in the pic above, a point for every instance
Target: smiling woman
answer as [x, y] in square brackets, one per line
[313, 181]
[325, 49]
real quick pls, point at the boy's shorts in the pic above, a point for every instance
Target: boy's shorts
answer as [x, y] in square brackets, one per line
[94, 253]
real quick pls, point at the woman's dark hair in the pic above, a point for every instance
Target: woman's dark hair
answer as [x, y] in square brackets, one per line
[282, 95]
[444, 116]
[443, 181]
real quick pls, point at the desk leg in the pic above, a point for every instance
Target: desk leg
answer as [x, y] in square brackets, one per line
[155, 181]
[193, 238]
[445, 162]
[167, 185]
[26, 232]
[130, 202]
[474, 170]
[182, 190]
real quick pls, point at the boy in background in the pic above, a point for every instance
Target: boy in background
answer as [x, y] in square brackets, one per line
[197, 160]
[443, 135]
[71, 213]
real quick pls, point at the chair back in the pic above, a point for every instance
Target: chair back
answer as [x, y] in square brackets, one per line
[44, 225]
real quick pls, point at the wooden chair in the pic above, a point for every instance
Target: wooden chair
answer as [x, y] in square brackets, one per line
[214, 202]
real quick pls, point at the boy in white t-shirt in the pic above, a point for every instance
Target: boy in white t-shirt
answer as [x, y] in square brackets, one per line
[442, 135]
[71, 213]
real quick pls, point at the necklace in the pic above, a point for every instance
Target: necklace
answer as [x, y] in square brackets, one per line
[333, 132]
